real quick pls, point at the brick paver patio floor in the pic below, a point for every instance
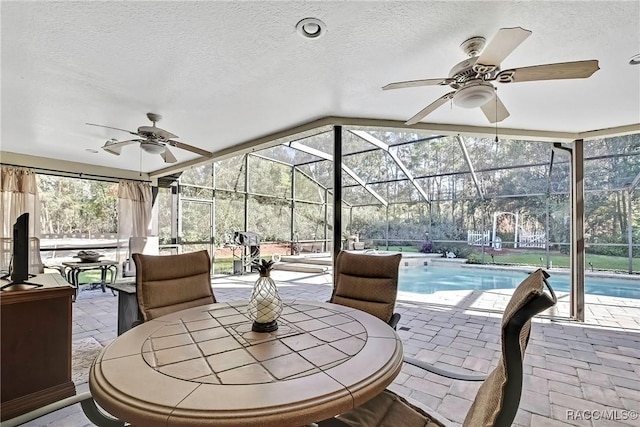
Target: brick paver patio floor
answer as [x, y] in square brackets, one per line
[583, 374]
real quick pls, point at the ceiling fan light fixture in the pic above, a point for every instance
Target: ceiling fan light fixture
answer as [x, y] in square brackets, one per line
[152, 147]
[311, 28]
[475, 95]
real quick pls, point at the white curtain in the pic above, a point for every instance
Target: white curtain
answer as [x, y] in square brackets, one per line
[134, 213]
[18, 194]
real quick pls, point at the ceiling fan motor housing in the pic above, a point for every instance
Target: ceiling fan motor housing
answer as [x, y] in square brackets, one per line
[152, 132]
[462, 71]
[147, 131]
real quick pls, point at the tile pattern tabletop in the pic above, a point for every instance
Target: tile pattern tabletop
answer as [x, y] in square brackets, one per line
[220, 348]
[204, 366]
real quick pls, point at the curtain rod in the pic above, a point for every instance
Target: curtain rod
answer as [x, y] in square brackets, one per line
[68, 174]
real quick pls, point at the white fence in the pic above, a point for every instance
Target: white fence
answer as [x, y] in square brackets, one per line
[536, 239]
[477, 238]
[526, 239]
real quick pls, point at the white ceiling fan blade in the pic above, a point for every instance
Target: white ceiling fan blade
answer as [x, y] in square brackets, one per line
[416, 83]
[109, 127]
[191, 148]
[561, 70]
[114, 147]
[501, 45]
[112, 150]
[430, 108]
[494, 110]
[168, 156]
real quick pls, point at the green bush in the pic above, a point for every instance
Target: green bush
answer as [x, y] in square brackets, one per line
[462, 250]
[474, 258]
[621, 251]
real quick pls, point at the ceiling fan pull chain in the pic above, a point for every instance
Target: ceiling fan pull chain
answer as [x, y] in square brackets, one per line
[496, 101]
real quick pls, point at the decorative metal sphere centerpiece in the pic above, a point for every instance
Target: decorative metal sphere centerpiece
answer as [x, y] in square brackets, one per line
[265, 304]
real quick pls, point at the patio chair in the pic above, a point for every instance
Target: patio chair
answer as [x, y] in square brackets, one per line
[139, 245]
[35, 261]
[168, 283]
[498, 398]
[368, 283]
[36, 265]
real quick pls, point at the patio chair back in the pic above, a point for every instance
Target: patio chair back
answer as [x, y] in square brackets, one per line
[498, 398]
[368, 283]
[168, 283]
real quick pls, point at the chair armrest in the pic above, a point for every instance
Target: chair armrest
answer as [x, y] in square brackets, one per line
[395, 318]
[97, 416]
[443, 372]
[58, 268]
[89, 407]
[331, 422]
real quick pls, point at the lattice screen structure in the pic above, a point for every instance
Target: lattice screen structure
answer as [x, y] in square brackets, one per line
[401, 187]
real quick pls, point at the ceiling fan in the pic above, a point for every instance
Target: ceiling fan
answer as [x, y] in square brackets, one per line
[471, 79]
[154, 141]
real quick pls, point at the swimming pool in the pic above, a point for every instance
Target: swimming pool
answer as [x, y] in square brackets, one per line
[427, 280]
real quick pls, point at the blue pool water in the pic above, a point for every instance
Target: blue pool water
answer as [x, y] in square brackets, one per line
[427, 280]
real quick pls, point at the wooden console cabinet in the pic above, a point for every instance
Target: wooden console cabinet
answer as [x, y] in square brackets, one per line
[35, 345]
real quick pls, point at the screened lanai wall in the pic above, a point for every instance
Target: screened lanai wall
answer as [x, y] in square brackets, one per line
[484, 199]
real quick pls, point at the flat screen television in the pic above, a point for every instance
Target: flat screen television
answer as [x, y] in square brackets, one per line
[19, 270]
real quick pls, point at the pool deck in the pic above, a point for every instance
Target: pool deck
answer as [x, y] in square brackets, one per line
[569, 366]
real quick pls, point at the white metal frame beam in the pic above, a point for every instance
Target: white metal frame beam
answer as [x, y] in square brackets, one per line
[385, 147]
[634, 184]
[467, 159]
[314, 152]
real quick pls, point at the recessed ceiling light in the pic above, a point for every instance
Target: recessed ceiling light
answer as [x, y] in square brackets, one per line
[635, 60]
[91, 150]
[311, 28]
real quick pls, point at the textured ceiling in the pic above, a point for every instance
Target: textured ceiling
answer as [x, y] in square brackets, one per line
[225, 72]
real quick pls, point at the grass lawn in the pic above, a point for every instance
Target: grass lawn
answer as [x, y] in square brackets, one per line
[532, 257]
[399, 248]
[599, 262]
[223, 266]
[91, 276]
